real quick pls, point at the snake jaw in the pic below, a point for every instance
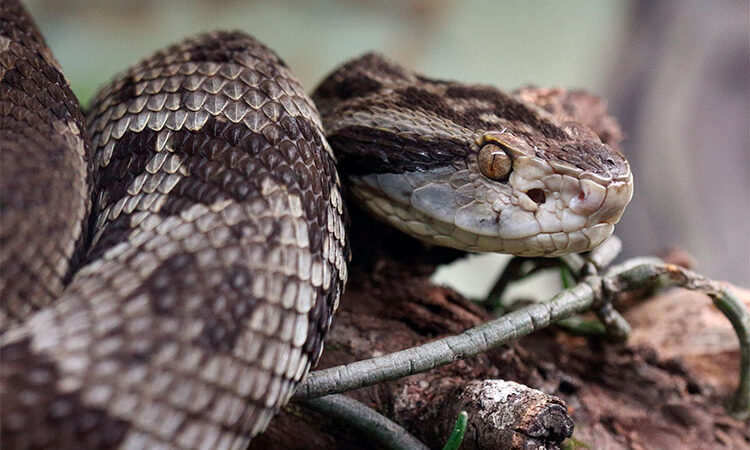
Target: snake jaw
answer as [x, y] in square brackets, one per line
[543, 209]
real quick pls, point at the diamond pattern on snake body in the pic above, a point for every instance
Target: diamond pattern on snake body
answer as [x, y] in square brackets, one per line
[218, 257]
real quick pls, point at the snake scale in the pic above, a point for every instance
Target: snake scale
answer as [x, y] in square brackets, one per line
[171, 264]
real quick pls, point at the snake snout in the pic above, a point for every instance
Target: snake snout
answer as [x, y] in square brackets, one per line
[589, 198]
[617, 197]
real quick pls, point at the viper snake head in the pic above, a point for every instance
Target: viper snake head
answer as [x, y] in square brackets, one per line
[469, 166]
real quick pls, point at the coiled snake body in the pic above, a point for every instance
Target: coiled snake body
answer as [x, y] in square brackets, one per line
[216, 251]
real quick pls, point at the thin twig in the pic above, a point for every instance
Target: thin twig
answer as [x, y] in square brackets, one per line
[738, 314]
[591, 292]
[647, 275]
[616, 327]
[443, 351]
[366, 420]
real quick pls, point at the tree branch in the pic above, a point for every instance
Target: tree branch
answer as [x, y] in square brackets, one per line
[365, 420]
[433, 354]
[592, 292]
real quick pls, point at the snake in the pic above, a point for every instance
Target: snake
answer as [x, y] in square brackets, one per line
[172, 260]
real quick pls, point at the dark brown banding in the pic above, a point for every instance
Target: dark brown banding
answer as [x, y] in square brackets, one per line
[354, 79]
[219, 253]
[31, 401]
[359, 92]
[44, 188]
[362, 150]
[500, 104]
[223, 325]
[593, 157]
[226, 161]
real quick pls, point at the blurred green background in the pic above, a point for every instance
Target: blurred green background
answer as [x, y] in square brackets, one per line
[675, 72]
[504, 43]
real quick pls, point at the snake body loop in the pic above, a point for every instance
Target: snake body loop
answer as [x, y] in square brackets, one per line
[218, 258]
[44, 188]
[215, 252]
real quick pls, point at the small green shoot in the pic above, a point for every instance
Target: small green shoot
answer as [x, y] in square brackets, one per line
[566, 277]
[459, 429]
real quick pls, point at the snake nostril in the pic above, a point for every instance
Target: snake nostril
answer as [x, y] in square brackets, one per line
[537, 195]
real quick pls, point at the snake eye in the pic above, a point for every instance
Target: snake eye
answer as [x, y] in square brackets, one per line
[494, 162]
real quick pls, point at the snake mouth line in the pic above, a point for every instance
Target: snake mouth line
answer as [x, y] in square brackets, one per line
[575, 234]
[434, 231]
[547, 244]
